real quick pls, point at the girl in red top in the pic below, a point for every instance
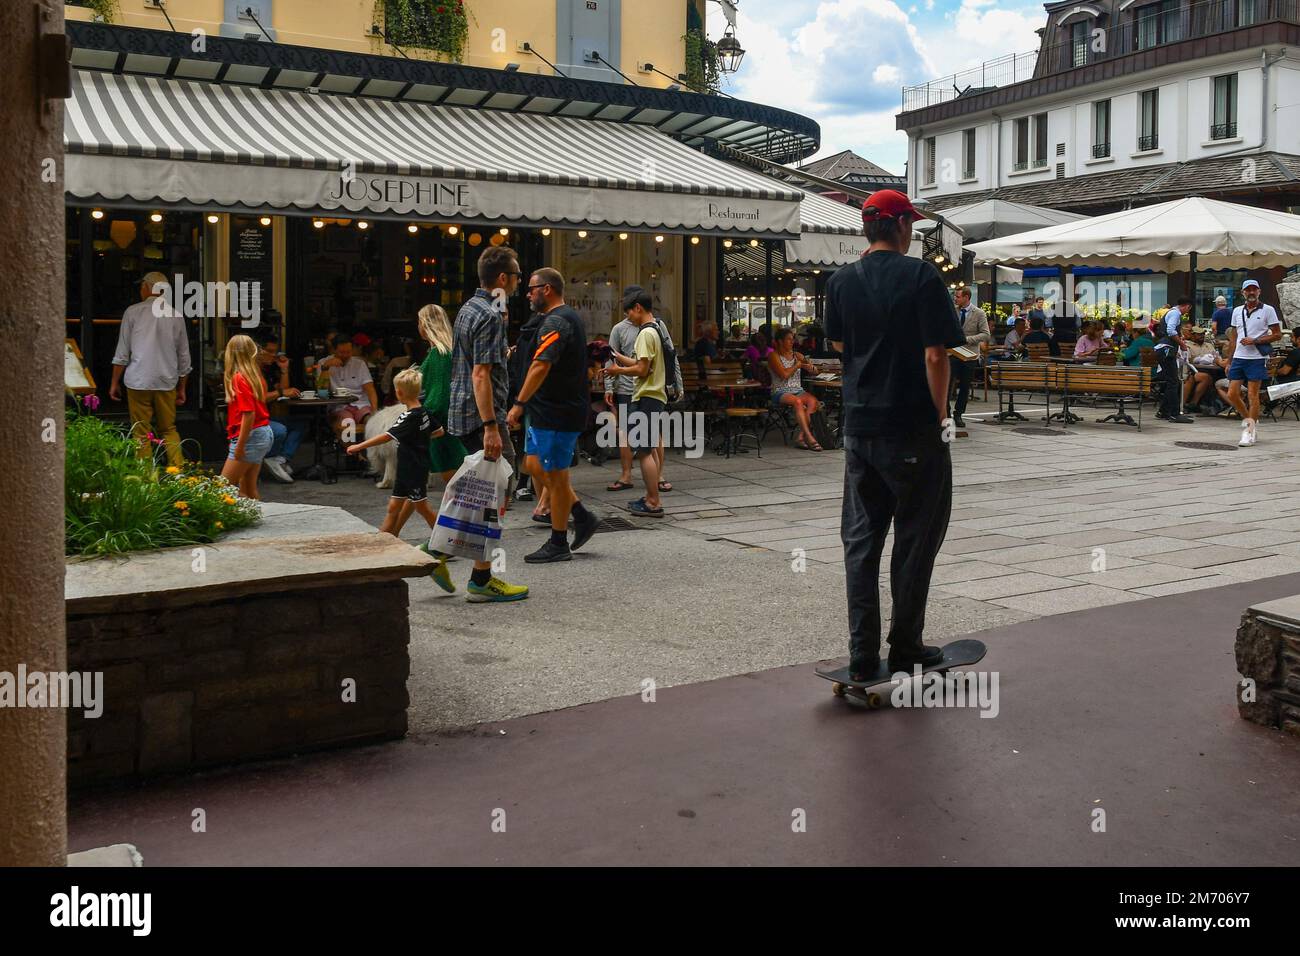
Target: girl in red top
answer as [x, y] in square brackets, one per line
[247, 422]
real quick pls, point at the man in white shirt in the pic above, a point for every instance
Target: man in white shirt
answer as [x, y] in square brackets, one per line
[348, 372]
[152, 360]
[1253, 325]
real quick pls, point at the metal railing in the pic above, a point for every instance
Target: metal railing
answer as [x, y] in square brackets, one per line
[1223, 131]
[1100, 150]
[1146, 143]
[1140, 29]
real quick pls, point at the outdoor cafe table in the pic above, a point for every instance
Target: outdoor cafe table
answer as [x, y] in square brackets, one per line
[319, 409]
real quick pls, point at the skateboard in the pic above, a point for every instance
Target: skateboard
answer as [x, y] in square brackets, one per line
[957, 654]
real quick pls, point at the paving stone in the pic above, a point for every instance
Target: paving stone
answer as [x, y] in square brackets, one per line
[965, 571]
[1008, 585]
[1206, 556]
[1064, 600]
[986, 543]
[1136, 578]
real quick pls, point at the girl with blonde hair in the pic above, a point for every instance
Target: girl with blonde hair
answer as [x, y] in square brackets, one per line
[247, 421]
[445, 453]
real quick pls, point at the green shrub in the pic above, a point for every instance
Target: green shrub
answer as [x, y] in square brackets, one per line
[116, 501]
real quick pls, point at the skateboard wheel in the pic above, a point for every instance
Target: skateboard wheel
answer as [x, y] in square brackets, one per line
[875, 701]
[837, 689]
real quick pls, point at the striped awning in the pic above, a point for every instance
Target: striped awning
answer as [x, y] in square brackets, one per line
[148, 140]
[830, 233]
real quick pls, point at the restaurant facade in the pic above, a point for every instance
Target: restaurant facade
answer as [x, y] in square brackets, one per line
[350, 189]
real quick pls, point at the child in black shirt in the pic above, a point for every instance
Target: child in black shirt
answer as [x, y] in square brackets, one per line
[411, 487]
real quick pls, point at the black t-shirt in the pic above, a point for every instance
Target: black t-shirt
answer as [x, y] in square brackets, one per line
[887, 310]
[561, 402]
[411, 432]
[1039, 337]
[704, 348]
[1291, 361]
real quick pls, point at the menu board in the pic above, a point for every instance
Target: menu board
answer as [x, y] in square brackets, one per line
[251, 256]
[76, 377]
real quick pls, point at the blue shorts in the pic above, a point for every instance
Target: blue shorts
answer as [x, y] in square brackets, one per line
[554, 449]
[777, 396]
[259, 442]
[1248, 370]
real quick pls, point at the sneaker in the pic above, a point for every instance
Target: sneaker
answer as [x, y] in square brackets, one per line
[1248, 439]
[495, 590]
[583, 530]
[1181, 419]
[442, 577]
[864, 671]
[928, 656]
[549, 552]
[276, 466]
[956, 420]
[524, 494]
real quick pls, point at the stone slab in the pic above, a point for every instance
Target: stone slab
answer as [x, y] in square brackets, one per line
[117, 855]
[156, 579]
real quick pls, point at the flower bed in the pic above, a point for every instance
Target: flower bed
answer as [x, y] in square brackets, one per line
[116, 501]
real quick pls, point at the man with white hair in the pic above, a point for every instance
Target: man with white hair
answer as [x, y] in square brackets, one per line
[152, 360]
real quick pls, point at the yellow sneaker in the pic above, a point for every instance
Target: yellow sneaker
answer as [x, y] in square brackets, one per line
[495, 590]
[442, 577]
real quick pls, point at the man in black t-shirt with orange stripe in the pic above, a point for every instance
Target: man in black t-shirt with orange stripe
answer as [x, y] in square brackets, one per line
[556, 394]
[891, 317]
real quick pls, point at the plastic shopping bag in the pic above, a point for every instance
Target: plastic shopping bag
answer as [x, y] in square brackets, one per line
[469, 520]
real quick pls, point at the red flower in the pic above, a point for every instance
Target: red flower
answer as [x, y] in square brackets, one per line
[442, 9]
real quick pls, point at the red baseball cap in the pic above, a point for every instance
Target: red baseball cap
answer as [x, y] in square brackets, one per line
[888, 204]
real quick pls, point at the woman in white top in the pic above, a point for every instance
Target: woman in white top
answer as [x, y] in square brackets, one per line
[787, 367]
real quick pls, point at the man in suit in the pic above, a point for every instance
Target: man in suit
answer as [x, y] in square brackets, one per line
[975, 326]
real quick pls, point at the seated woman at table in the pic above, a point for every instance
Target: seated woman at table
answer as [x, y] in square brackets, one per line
[1090, 342]
[786, 366]
[756, 355]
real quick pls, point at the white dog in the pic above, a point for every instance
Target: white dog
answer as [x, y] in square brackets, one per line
[383, 457]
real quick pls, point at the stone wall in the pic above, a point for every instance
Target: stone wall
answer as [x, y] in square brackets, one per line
[1268, 653]
[239, 678]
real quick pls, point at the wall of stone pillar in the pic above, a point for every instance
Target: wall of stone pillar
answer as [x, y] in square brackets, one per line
[33, 825]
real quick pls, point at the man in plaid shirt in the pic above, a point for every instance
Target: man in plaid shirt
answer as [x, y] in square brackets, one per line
[480, 385]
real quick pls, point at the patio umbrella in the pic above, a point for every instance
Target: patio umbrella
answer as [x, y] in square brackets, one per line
[1177, 236]
[998, 218]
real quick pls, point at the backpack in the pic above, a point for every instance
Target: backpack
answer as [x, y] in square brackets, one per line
[672, 369]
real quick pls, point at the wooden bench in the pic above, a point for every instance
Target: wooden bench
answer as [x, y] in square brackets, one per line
[1118, 383]
[1009, 378]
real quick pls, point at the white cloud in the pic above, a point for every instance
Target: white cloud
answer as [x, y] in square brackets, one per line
[843, 62]
[886, 74]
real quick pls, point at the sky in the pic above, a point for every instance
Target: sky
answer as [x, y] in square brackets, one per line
[844, 62]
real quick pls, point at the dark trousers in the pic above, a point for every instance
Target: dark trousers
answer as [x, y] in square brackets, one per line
[961, 372]
[906, 480]
[1167, 374]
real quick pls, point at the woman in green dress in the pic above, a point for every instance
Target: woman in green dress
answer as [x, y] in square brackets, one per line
[445, 453]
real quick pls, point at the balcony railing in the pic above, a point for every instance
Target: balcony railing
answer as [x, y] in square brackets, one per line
[1223, 131]
[1146, 143]
[1100, 150]
[1133, 34]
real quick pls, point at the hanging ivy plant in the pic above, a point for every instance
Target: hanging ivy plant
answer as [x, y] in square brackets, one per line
[701, 61]
[438, 25]
[105, 10]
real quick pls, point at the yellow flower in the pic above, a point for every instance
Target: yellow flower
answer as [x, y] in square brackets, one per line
[173, 470]
[228, 500]
[182, 505]
[220, 525]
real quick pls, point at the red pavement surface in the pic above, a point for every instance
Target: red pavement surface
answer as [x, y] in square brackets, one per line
[1129, 708]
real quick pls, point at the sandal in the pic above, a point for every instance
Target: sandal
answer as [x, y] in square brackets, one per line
[619, 485]
[663, 486]
[542, 519]
[639, 507]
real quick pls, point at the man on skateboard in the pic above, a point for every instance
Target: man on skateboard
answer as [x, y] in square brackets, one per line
[891, 317]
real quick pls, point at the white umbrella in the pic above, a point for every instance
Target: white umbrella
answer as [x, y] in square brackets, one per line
[1172, 236]
[996, 218]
